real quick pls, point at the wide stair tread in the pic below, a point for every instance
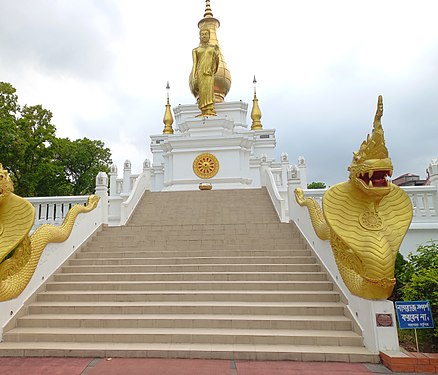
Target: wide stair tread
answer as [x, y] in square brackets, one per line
[320, 353]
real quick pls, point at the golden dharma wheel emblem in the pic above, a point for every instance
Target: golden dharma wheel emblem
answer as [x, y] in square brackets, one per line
[206, 165]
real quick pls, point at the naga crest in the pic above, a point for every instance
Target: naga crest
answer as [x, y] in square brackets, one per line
[371, 167]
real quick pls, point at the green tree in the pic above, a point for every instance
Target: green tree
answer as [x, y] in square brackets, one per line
[32, 149]
[316, 185]
[417, 281]
[400, 263]
[9, 110]
[82, 160]
[39, 163]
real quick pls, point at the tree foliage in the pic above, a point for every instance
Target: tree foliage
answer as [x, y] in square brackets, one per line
[316, 185]
[417, 280]
[82, 160]
[39, 163]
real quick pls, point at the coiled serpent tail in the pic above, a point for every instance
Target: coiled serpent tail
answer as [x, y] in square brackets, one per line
[319, 224]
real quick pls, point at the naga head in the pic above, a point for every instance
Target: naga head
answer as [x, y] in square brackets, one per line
[371, 168]
[6, 184]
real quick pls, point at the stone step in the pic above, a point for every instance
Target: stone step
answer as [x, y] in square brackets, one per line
[153, 217]
[223, 228]
[269, 230]
[147, 235]
[319, 353]
[190, 285]
[120, 252]
[192, 276]
[188, 307]
[189, 295]
[194, 268]
[192, 260]
[104, 237]
[193, 245]
[187, 335]
[185, 321]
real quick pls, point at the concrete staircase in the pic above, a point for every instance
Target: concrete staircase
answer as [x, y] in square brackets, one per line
[203, 274]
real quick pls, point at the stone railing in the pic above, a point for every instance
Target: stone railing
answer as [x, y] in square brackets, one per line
[53, 210]
[424, 201]
[141, 184]
[126, 192]
[279, 203]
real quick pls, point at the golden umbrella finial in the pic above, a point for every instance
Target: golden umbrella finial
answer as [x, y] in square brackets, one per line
[208, 12]
[168, 118]
[256, 114]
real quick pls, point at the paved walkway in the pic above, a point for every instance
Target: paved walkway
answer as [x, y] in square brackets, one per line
[139, 366]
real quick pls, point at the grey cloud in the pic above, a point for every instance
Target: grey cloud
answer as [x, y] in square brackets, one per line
[57, 37]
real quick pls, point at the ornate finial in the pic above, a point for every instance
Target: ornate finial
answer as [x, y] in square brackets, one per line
[208, 13]
[222, 76]
[374, 147]
[168, 118]
[379, 113]
[256, 114]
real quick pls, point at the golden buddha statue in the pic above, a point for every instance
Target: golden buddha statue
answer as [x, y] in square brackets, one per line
[205, 65]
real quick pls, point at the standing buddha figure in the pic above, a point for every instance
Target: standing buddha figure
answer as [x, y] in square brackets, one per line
[205, 65]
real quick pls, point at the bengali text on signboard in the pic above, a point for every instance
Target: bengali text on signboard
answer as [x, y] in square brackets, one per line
[414, 314]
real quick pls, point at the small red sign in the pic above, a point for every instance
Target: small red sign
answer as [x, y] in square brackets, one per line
[384, 320]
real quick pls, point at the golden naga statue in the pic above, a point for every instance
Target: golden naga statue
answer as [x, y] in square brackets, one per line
[205, 65]
[365, 218]
[19, 251]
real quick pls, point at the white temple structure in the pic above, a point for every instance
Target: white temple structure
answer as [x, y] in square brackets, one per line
[240, 152]
[230, 150]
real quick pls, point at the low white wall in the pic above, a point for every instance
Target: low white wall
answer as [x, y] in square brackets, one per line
[362, 310]
[279, 203]
[141, 184]
[54, 255]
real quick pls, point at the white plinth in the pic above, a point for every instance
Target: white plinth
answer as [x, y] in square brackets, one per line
[226, 136]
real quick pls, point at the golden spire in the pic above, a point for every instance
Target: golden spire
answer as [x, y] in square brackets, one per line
[256, 114]
[168, 118]
[208, 12]
[222, 78]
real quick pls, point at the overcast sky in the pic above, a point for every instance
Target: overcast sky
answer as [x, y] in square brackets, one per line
[101, 67]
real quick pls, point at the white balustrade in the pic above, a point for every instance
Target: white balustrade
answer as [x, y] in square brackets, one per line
[279, 203]
[424, 200]
[53, 210]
